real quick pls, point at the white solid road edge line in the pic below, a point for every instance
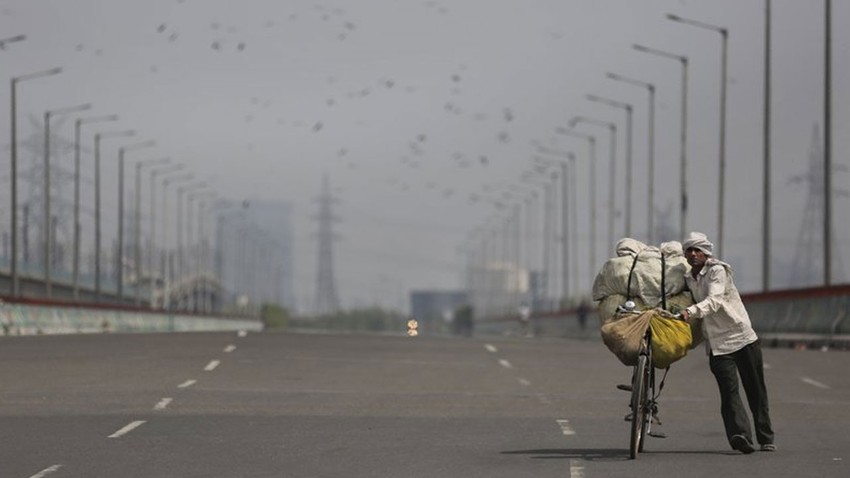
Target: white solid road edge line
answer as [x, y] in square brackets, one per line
[229, 348]
[815, 383]
[46, 471]
[162, 403]
[211, 366]
[187, 383]
[127, 429]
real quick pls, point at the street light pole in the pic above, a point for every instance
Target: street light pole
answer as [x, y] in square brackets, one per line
[46, 251]
[612, 166]
[591, 140]
[77, 228]
[683, 133]
[152, 224]
[16, 287]
[181, 190]
[546, 241]
[766, 151]
[629, 109]
[119, 258]
[651, 146]
[724, 36]
[165, 269]
[827, 145]
[196, 256]
[565, 227]
[137, 220]
[97, 139]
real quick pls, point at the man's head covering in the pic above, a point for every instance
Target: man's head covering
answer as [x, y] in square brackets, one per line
[699, 241]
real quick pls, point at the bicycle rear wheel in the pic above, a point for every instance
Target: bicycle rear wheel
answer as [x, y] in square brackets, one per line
[639, 385]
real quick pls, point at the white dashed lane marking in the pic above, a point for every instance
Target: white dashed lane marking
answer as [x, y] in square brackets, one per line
[229, 348]
[162, 404]
[46, 471]
[524, 382]
[211, 366]
[566, 429]
[505, 363]
[242, 333]
[815, 383]
[127, 429]
[491, 348]
[576, 469]
[187, 383]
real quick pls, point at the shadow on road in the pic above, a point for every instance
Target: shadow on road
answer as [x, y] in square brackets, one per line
[599, 454]
[587, 454]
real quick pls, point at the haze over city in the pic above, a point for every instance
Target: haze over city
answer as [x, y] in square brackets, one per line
[423, 114]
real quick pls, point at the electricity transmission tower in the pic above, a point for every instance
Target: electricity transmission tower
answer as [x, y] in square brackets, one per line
[327, 301]
[807, 266]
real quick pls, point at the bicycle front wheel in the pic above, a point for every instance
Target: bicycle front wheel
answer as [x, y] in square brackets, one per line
[638, 410]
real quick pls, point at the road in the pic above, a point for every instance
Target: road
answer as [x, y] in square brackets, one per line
[298, 405]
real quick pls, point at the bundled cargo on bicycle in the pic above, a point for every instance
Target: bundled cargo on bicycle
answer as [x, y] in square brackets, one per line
[643, 287]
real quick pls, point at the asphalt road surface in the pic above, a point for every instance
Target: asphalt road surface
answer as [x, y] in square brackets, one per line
[290, 405]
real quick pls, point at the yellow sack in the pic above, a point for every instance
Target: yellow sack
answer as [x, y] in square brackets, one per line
[671, 340]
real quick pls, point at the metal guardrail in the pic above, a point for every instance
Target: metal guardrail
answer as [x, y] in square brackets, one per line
[17, 319]
[799, 318]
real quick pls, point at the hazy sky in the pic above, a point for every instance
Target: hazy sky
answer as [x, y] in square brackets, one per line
[414, 108]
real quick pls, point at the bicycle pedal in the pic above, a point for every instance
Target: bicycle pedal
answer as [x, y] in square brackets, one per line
[657, 435]
[622, 386]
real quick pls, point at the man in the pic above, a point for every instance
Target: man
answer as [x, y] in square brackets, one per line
[733, 346]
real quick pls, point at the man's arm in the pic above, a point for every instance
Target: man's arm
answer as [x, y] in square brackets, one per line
[716, 278]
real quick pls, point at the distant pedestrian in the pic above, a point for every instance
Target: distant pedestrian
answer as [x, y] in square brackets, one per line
[581, 313]
[733, 347]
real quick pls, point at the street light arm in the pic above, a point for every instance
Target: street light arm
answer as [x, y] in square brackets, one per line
[554, 152]
[653, 51]
[115, 134]
[69, 109]
[96, 119]
[142, 145]
[626, 79]
[38, 74]
[13, 39]
[696, 23]
[610, 102]
[583, 119]
[569, 132]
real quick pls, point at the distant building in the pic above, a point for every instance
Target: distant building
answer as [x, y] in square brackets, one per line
[434, 310]
[274, 219]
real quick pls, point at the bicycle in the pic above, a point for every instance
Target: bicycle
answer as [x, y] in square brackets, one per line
[644, 397]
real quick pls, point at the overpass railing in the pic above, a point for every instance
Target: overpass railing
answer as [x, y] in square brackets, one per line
[804, 318]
